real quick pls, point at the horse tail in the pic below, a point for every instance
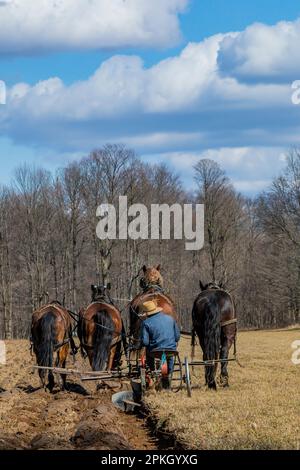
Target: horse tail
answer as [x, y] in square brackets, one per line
[45, 343]
[211, 339]
[103, 335]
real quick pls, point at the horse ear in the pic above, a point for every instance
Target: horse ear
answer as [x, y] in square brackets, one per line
[93, 288]
[201, 285]
[158, 268]
[108, 287]
[145, 269]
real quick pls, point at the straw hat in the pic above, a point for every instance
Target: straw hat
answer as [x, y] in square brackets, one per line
[150, 308]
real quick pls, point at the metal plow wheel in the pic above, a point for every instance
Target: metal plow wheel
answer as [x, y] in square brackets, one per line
[187, 377]
[177, 375]
[187, 373]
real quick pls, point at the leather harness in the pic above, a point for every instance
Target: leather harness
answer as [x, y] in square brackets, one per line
[67, 340]
[227, 322]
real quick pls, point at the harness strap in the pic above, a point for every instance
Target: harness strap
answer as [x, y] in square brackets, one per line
[155, 287]
[56, 346]
[229, 322]
[115, 341]
[60, 345]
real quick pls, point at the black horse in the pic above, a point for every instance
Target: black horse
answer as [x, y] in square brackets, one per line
[214, 322]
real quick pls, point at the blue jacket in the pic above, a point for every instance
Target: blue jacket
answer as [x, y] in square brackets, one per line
[160, 331]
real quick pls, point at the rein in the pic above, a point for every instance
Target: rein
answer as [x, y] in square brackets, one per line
[115, 341]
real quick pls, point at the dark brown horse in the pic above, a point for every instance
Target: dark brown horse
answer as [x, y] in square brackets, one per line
[214, 322]
[152, 289]
[51, 332]
[101, 331]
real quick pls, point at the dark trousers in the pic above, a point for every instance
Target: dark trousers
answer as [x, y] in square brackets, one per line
[153, 356]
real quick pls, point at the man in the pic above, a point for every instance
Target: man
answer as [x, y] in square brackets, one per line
[159, 333]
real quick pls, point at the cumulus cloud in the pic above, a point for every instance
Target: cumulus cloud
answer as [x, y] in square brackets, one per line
[251, 169]
[183, 103]
[188, 82]
[30, 26]
[262, 52]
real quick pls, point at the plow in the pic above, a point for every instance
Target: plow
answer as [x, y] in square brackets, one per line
[141, 377]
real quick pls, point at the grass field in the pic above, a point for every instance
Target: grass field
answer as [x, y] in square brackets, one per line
[260, 409]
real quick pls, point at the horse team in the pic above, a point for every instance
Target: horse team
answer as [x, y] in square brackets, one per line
[102, 334]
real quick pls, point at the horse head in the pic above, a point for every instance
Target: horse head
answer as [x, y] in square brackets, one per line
[100, 292]
[151, 278]
[211, 285]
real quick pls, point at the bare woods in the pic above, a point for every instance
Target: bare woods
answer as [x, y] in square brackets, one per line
[48, 242]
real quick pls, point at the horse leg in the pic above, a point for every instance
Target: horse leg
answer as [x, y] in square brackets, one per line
[224, 356]
[42, 374]
[205, 357]
[117, 362]
[51, 381]
[111, 357]
[90, 355]
[208, 372]
[211, 384]
[61, 363]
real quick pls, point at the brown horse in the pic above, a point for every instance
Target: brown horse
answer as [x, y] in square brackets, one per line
[214, 322]
[51, 332]
[101, 331]
[152, 289]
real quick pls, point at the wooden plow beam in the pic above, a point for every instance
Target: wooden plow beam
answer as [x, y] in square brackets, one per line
[85, 375]
[210, 362]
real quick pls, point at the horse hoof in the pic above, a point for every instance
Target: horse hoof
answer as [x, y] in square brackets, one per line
[213, 386]
[224, 382]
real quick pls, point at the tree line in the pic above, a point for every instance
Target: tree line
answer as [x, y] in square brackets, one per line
[49, 248]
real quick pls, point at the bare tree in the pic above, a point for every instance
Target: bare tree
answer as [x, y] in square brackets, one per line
[223, 213]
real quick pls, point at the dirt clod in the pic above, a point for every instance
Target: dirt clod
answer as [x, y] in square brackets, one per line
[80, 418]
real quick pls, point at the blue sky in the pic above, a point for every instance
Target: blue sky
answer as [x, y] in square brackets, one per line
[177, 80]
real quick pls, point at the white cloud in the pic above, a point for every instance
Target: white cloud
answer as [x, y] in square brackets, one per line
[183, 103]
[180, 81]
[252, 187]
[31, 26]
[160, 140]
[262, 52]
[251, 169]
[121, 85]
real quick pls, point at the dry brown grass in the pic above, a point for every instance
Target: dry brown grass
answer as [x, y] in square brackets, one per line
[260, 409]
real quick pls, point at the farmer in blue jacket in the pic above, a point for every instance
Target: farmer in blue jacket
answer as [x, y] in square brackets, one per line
[159, 333]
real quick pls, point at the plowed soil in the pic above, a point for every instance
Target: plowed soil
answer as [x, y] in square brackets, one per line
[82, 418]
